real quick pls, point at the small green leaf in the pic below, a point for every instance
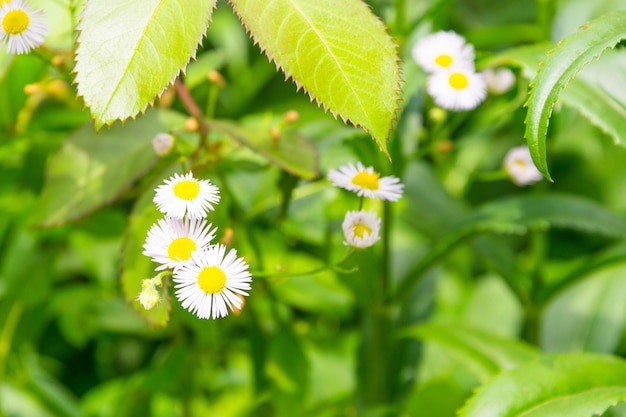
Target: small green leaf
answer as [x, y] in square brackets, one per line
[129, 51]
[337, 50]
[136, 266]
[490, 352]
[563, 63]
[572, 385]
[289, 151]
[91, 170]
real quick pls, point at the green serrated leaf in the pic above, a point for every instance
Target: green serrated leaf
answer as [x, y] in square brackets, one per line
[598, 93]
[490, 352]
[129, 51]
[337, 50]
[289, 150]
[563, 63]
[91, 170]
[572, 385]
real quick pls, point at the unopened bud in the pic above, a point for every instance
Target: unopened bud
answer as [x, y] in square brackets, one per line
[237, 308]
[149, 296]
[227, 239]
[216, 79]
[275, 135]
[57, 89]
[437, 114]
[32, 88]
[58, 61]
[192, 124]
[163, 143]
[444, 146]
[291, 116]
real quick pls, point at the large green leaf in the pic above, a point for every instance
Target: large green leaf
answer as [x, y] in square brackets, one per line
[516, 215]
[91, 170]
[562, 64]
[588, 316]
[129, 51]
[490, 352]
[337, 50]
[572, 385]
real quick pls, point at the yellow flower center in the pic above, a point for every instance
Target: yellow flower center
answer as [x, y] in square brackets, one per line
[367, 180]
[15, 22]
[180, 249]
[187, 190]
[212, 279]
[458, 81]
[520, 163]
[444, 60]
[361, 230]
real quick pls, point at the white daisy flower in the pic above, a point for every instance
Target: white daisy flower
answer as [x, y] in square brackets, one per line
[184, 195]
[163, 144]
[499, 80]
[361, 229]
[457, 89]
[21, 27]
[520, 166]
[212, 281]
[441, 50]
[171, 242]
[366, 182]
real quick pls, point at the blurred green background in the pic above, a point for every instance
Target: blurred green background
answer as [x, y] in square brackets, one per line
[493, 273]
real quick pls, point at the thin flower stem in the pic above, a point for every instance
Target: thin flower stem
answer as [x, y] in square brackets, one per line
[195, 111]
[335, 267]
[490, 175]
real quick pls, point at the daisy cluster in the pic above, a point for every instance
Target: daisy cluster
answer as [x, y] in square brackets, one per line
[208, 278]
[453, 82]
[361, 229]
[22, 27]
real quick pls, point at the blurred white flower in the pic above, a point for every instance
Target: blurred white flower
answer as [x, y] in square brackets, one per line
[457, 89]
[442, 50]
[366, 182]
[163, 143]
[361, 229]
[519, 165]
[184, 195]
[212, 281]
[21, 27]
[171, 242]
[499, 80]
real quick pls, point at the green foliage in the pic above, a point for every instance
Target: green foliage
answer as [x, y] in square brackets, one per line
[91, 170]
[562, 64]
[481, 297]
[572, 384]
[325, 53]
[128, 52]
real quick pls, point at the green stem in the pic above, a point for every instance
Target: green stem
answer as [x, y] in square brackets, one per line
[6, 336]
[376, 344]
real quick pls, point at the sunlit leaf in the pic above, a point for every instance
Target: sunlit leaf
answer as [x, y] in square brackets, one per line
[572, 385]
[337, 50]
[563, 63]
[129, 51]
